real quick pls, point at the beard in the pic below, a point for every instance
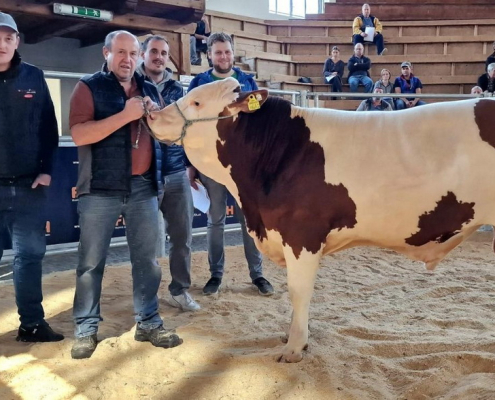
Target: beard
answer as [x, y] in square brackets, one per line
[221, 70]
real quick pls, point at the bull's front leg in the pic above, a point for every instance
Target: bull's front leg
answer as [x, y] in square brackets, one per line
[301, 274]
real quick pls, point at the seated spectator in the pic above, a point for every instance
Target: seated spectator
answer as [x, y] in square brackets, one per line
[407, 83]
[375, 103]
[197, 44]
[334, 70]
[487, 81]
[358, 66]
[361, 22]
[476, 90]
[491, 58]
[385, 84]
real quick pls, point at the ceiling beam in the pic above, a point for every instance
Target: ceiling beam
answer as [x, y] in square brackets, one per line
[45, 32]
[194, 4]
[128, 21]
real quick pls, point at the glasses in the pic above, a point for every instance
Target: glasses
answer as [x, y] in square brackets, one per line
[405, 67]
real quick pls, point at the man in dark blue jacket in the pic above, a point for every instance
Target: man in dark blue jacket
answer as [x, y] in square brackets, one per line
[221, 52]
[119, 174]
[28, 140]
[176, 203]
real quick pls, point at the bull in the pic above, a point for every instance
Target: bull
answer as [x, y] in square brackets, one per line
[315, 181]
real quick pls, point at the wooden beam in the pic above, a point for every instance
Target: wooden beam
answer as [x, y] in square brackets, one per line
[45, 32]
[194, 4]
[179, 51]
[127, 21]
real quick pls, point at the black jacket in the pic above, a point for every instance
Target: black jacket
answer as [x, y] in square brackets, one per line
[28, 126]
[173, 158]
[111, 160]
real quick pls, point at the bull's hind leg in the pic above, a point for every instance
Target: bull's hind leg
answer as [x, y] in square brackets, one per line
[301, 273]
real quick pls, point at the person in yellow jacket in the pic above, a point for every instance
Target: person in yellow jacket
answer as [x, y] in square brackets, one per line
[361, 22]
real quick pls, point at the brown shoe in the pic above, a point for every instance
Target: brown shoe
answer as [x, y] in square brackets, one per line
[158, 337]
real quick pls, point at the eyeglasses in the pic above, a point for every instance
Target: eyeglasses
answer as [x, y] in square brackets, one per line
[405, 67]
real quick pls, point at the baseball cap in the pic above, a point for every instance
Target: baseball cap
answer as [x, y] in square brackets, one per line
[8, 21]
[406, 64]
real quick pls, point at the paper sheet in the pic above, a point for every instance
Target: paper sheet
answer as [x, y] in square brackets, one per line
[201, 199]
[370, 34]
[329, 78]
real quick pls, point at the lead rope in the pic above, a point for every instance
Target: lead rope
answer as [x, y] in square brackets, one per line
[187, 124]
[141, 122]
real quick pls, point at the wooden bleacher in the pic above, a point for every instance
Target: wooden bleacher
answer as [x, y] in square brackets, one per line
[448, 57]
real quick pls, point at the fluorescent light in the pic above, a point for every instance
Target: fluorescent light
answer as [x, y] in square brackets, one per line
[82, 12]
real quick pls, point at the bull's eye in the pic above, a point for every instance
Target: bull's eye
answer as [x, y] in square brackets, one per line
[196, 103]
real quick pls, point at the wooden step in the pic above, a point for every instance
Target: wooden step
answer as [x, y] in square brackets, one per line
[408, 12]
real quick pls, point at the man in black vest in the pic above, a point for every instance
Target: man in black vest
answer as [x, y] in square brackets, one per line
[28, 140]
[119, 174]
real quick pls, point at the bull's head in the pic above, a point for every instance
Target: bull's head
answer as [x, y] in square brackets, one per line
[194, 117]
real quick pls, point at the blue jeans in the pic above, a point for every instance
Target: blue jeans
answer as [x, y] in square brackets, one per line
[399, 104]
[377, 40]
[97, 217]
[215, 229]
[178, 211]
[355, 80]
[22, 217]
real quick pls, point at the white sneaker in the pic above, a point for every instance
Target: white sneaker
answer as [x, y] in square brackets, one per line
[183, 301]
[384, 51]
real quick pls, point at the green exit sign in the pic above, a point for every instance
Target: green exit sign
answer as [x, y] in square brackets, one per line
[82, 12]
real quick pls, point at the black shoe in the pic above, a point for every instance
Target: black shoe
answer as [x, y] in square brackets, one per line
[84, 347]
[212, 286]
[40, 333]
[158, 337]
[265, 288]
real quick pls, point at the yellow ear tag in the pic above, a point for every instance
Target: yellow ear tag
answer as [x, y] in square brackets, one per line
[253, 103]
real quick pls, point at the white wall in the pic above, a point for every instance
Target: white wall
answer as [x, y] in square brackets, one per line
[252, 8]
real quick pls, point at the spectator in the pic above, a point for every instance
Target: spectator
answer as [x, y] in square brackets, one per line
[491, 58]
[407, 83]
[385, 84]
[222, 55]
[119, 173]
[176, 203]
[375, 103]
[197, 43]
[358, 66]
[28, 141]
[366, 20]
[487, 81]
[333, 70]
[476, 90]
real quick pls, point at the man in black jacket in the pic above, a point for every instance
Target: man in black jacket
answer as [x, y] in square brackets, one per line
[176, 203]
[119, 174]
[28, 140]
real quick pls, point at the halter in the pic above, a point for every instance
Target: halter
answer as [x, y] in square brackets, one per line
[189, 122]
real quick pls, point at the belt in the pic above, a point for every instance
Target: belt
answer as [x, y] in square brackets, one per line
[17, 181]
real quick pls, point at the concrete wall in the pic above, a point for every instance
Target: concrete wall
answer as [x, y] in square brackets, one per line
[254, 8]
[64, 55]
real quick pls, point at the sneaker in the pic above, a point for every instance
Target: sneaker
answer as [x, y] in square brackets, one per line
[40, 333]
[158, 337]
[84, 347]
[183, 301]
[265, 288]
[212, 286]
[384, 51]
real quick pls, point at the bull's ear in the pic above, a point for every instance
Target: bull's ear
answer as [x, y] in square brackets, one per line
[249, 102]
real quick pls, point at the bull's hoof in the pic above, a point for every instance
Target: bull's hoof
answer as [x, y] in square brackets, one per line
[291, 356]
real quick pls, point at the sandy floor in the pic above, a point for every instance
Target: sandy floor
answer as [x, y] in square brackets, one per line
[381, 327]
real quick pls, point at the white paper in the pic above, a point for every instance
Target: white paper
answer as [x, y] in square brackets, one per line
[329, 78]
[200, 197]
[370, 34]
